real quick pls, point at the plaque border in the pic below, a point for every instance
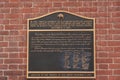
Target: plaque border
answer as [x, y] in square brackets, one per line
[94, 43]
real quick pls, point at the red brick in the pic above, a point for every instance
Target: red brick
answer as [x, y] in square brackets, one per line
[57, 0]
[23, 32]
[27, 4]
[12, 5]
[103, 54]
[113, 9]
[1, 5]
[15, 38]
[105, 49]
[26, 0]
[114, 31]
[114, 77]
[1, 27]
[101, 31]
[15, 21]
[11, 61]
[103, 14]
[4, 32]
[35, 10]
[113, 43]
[116, 72]
[13, 67]
[114, 66]
[13, 27]
[117, 3]
[73, 9]
[13, 44]
[117, 54]
[43, 5]
[115, 14]
[1, 49]
[3, 78]
[116, 60]
[13, 77]
[5, 10]
[72, 4]
[104, 60]
[102, 77]
[13, 16]
[88, 9]
[57, 4]
[14, 32]
[100, 3]
[27, 16]
[14, 1]
[4, 21]
[14, 49]
[3, 55]
[22, 67]
[3, 67]
[104, 72]
[12, 73]
[22, 44]
[102, 43]
[1, 61]
[102, 20]
[26, 10]
[116, 37]
[1, 38]
[15, 10]
[103, 66]
[23, 55]
[14, 55]
[25, 61]
[4, 0]
[103, 26]
[103, 9]
[116, 26]
[4, 44]
[89, 3]
[22, 78]
[56, 8]
[114, 20]
[104, 37]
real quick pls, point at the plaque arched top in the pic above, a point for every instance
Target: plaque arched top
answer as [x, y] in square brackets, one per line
[60, 11]
[61, 20]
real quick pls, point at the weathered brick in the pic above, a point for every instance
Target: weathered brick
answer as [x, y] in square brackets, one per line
[116, 72]
[114, 77]
[14, 67]
[57, 4]
[3, 66]
[104, 61]
[103, 66]
[4, 44]
[13, 61]
[105, 77]
[104, 72]
[114, 66]
[4, 33]
[3, 55]
[13, 73]
[116, 60]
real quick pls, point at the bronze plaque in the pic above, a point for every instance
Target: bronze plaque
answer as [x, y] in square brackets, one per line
[61, 45]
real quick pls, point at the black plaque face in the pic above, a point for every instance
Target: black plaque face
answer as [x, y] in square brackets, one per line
[61, 45]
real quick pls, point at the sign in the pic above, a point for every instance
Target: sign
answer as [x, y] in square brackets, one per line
[61, 45]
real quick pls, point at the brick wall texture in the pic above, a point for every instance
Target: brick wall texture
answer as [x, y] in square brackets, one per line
[13, 37]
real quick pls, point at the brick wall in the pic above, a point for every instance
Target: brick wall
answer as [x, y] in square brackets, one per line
[13, 24]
